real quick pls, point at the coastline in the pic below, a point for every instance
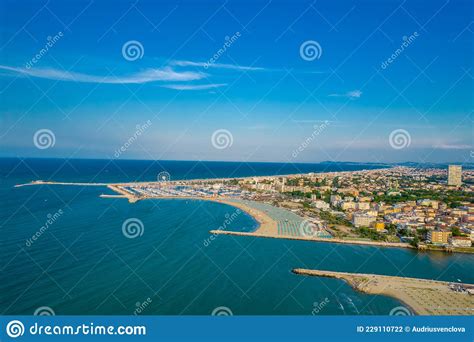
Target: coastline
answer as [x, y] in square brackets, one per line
[410, 291]
[423, 296]
[268, 227]
[266, 223]
[177, 181]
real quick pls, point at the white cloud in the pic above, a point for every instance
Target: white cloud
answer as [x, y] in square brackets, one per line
[146, 76]
[215, 65]
[194, 86]
[353, 94]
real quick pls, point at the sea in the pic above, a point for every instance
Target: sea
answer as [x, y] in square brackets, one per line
[64, 249]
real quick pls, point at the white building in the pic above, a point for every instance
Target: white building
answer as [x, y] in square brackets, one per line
[363, 206]
[455, 175]
[362, 220]
[335, 199]
[460, 241]
[321, 205]
[348, 205]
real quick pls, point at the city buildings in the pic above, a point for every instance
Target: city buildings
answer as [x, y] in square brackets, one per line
[363, 220]
[455, 175]
[460, 241]
[398, 203]
[439, 237]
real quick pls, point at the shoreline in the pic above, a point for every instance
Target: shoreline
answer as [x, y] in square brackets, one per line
[265, 223]
[423, 296]
[268, 227]
[43, 182]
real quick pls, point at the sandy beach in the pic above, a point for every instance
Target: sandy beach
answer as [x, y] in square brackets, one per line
[424, 297]
[268, 227]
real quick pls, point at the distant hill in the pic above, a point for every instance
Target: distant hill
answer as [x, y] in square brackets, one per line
[468, 166]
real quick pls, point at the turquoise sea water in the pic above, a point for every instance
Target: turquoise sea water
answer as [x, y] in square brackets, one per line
[83, 264]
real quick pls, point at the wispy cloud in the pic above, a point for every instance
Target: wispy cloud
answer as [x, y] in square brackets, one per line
[215, 65]
[238, 67]
[146, 76]
[453, 146]
[353, 94]
[194, 86]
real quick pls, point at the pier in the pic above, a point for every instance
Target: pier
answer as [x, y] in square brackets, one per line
[422, 296]
[314, 239]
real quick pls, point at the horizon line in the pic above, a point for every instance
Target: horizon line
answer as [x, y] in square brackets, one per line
[247, 162]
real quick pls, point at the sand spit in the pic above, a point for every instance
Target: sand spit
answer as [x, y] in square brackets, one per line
[423, 296]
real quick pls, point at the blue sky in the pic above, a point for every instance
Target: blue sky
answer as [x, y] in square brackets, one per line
[275, 104]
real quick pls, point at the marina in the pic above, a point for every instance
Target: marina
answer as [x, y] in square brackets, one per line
[184, 222]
